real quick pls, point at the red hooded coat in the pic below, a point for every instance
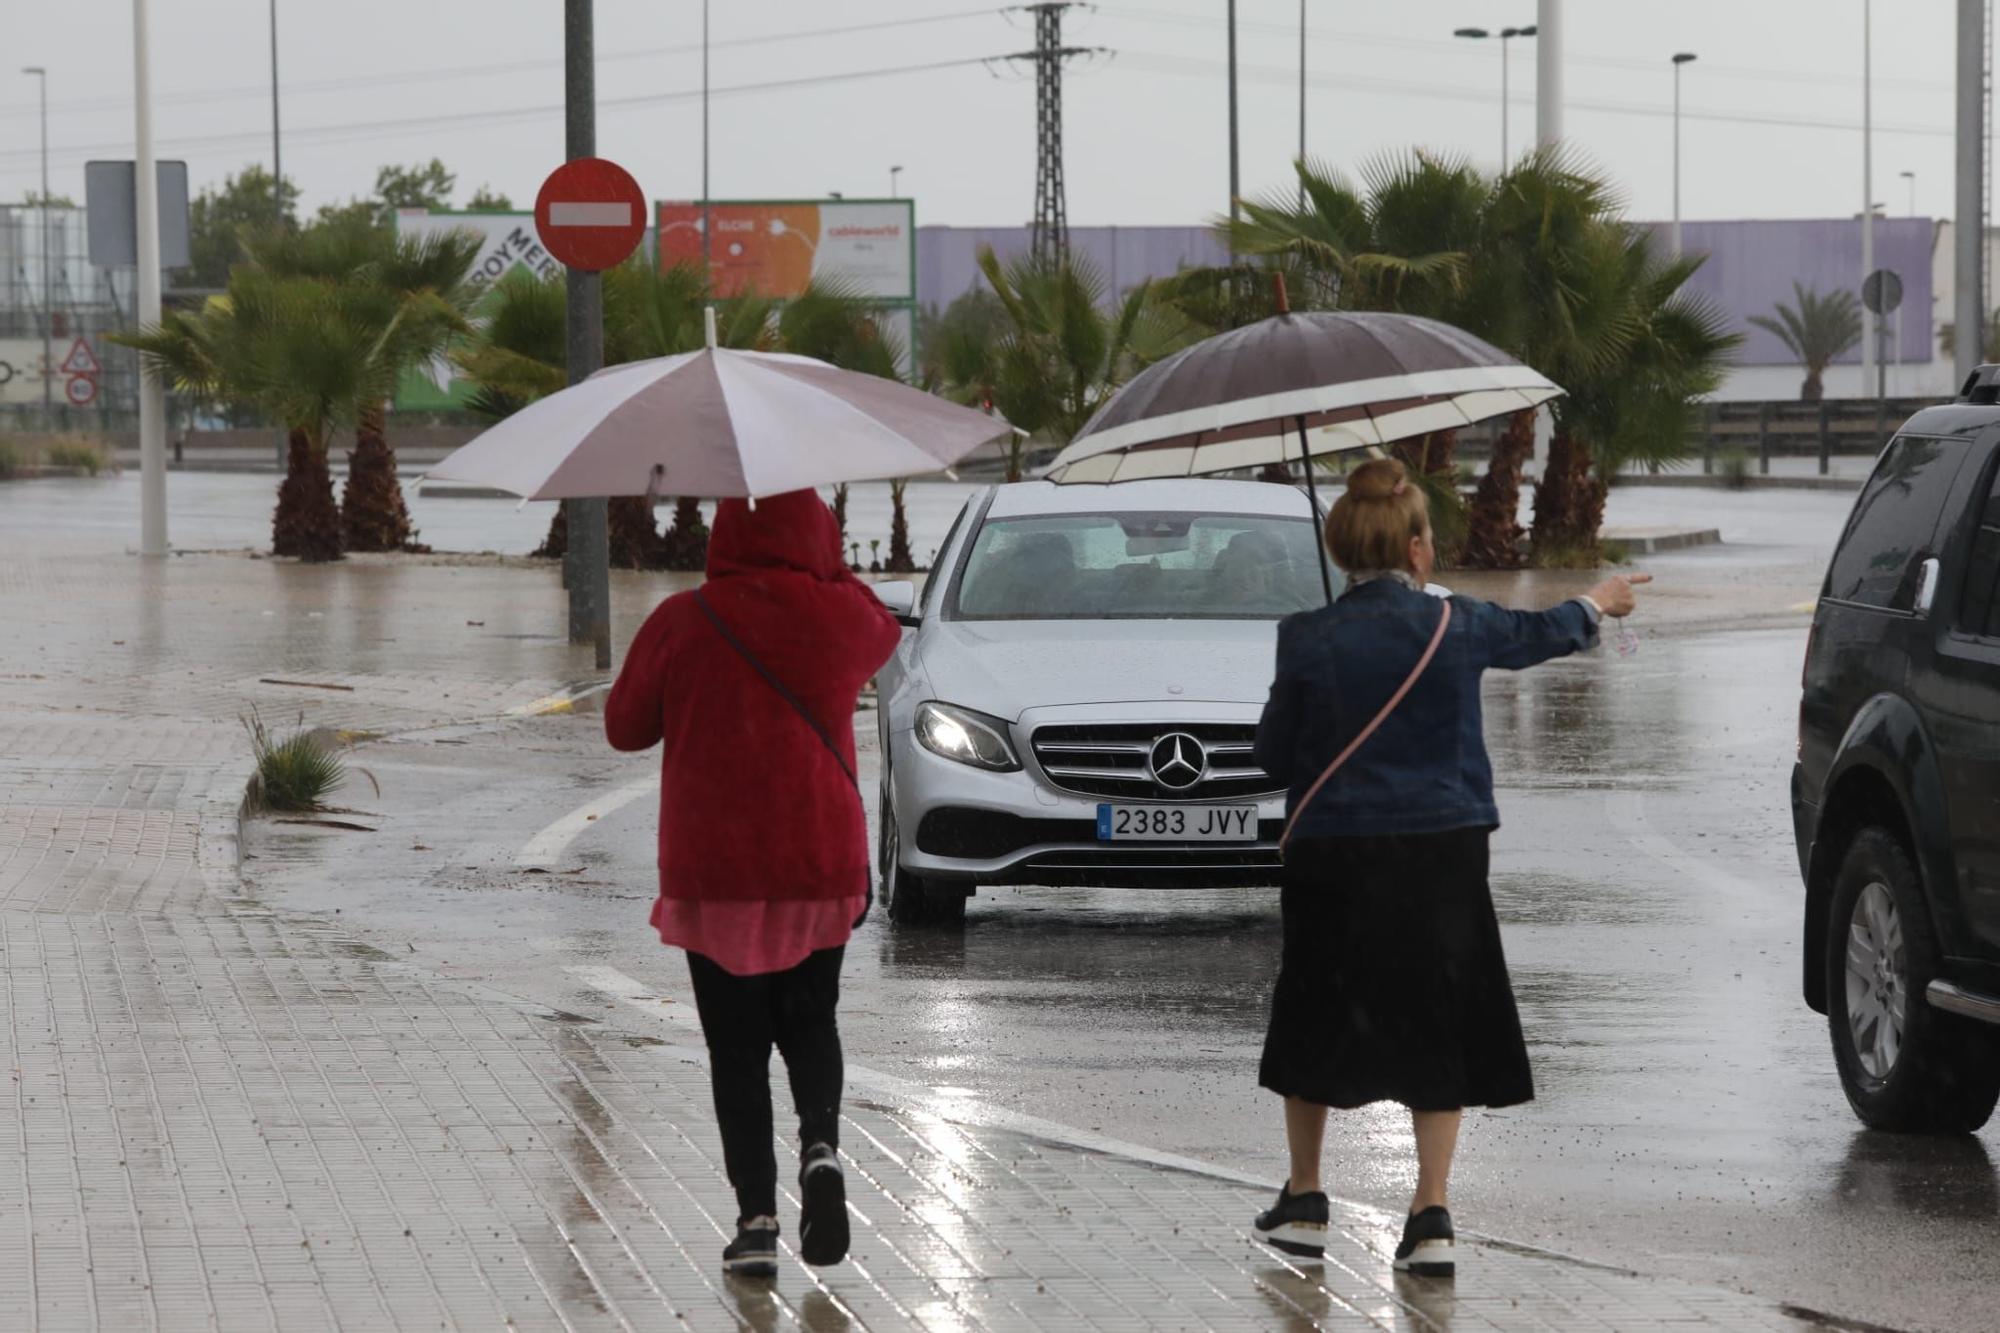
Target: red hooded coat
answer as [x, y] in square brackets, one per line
[753, 805]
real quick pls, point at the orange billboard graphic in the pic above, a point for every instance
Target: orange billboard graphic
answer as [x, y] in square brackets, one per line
[776, 248]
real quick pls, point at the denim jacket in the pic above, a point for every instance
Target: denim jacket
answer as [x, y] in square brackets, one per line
[1425, 769]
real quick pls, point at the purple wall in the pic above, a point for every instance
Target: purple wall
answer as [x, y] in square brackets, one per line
[1752, 264]
[948, 257]
[1750, 268]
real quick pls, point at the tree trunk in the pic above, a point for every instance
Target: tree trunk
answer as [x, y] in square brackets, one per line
[1277, 474]
[307, 522]
[1493, 528]
[900, 560]
[1813, 389]
[685, 546]
[371, 507]
[1557, 495]
[556, 544]
[635, 541]
[840, 514]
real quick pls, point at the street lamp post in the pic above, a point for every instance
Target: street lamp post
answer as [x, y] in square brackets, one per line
[1506, 35]
[277, 163]
[893, 173]
[1680, 58]
[1302, 101]
[1911, 177]
[41, 73]
[1870, 354]
[146, 199]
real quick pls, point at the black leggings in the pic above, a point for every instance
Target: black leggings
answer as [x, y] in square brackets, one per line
[740, 1018]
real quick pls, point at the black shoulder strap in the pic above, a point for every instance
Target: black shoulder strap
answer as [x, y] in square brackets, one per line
[723, 629]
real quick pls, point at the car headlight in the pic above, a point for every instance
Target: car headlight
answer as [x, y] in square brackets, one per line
[963, 735]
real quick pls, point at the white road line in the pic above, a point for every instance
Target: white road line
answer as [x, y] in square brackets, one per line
[921, 1098]
[545, 847]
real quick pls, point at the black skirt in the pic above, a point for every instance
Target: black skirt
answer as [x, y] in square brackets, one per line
[1393, 986]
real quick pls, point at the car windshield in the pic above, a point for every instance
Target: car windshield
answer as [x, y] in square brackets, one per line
[1150, 565]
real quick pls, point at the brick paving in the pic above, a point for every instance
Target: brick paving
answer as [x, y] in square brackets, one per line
[217, 1116]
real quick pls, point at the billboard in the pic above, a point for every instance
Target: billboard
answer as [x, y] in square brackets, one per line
[507, 243]
[775, 247]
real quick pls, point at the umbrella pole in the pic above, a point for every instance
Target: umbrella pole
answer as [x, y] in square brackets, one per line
[1312, 491]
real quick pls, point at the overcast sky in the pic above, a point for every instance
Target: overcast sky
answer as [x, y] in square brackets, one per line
[1771, 109]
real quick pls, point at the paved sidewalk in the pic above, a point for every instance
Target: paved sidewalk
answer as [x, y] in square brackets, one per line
[218, 1116]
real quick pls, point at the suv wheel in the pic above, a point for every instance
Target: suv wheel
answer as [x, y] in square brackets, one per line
[1904, 1065]
[912, 900]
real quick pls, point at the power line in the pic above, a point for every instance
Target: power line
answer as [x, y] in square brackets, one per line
[439, 74]
[360, 131]
[1191, 65]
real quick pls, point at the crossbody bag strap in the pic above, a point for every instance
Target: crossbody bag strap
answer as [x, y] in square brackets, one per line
[1423, 664]
[729, 637]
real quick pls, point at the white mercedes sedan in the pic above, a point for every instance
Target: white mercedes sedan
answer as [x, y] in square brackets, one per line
[1077, 689]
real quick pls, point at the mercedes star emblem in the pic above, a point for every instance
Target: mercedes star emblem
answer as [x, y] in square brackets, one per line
[1178, 761]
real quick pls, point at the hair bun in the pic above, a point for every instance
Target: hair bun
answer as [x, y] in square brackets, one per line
[1378, 479]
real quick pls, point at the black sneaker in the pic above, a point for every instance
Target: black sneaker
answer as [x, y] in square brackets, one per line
[823, 1215]
[754, 1252]
[1427, 1245]
[1297, 1225]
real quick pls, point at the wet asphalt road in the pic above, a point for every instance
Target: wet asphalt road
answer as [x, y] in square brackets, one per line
[1688, 1119]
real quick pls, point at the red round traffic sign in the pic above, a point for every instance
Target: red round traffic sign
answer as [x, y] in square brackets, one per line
[81, 391]
[590, 214]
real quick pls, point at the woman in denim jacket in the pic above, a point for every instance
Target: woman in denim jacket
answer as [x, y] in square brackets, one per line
[1393, 986]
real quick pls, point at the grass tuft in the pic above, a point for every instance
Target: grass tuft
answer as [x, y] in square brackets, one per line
[294, 772]
[80, 452]
[1736, 470]
[10, 459]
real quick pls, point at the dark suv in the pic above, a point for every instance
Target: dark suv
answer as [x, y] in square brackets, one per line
[1896, 794]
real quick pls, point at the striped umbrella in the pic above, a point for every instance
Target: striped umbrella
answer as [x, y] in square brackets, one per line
[1295, 386]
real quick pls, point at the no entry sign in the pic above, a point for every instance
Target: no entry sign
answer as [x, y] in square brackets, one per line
[590, 214]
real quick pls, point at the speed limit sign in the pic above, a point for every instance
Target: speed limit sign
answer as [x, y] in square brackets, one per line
[81, 390]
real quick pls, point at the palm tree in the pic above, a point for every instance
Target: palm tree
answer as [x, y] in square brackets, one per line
[1640, 408]
[427, 277]
[1816, 329]
[1062, 354]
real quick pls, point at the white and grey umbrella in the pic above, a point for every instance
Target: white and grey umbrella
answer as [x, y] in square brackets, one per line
[719, 422]
[1293, 386]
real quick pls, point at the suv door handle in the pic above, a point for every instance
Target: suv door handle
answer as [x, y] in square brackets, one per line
[1927, 578]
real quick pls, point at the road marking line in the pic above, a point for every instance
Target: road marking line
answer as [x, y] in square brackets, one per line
[947, 1105]
[545, 847]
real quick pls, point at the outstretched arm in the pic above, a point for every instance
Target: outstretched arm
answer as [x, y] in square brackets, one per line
[1518, 639]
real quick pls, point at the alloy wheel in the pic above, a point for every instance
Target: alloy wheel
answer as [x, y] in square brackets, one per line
[1877, 981]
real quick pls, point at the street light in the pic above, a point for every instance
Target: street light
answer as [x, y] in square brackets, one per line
[1911, 177]
[893, 173]
[48, 265]
[1680, 58]
[1505, 35]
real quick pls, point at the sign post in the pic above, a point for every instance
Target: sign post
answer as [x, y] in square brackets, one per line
[1882, 292]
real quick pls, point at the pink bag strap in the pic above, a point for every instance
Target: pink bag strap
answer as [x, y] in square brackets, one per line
[1444, 623]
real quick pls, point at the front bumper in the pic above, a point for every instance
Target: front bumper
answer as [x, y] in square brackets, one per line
[978, 827]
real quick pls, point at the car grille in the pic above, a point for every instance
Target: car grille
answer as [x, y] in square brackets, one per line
[1114, 759]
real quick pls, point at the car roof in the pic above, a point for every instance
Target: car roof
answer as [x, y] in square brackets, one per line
[1196, 494]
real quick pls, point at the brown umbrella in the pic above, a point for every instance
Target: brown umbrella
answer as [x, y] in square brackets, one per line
[1355, 379]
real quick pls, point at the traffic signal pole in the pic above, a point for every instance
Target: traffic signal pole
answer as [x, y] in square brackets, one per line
[587, 556]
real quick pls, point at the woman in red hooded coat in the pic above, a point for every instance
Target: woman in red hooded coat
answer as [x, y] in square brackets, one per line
[763, 844]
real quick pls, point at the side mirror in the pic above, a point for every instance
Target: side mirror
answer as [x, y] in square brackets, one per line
[900, 596]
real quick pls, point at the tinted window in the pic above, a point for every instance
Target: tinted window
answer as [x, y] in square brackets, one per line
[1893, 521]
[1141, 566]
[1979, 610]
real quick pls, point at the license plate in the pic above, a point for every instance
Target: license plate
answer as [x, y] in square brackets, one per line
[1177, 823]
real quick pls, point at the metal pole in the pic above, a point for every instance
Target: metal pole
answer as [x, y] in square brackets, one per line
[1677, 159]
[587, 557]
[1312, 494]
[1968, 228]
[1503, 101]
[705, 276]
[277, 164]
[1869, 352]
[1548, 72]
[1235, 181]
[1302, 99]
[152, 393]
[48, 272]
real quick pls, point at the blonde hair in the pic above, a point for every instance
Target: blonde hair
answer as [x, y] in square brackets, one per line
[1370, 526]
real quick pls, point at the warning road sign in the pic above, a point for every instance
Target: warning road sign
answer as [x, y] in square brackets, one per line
[590, 214]
[81, 360]
[81, 391]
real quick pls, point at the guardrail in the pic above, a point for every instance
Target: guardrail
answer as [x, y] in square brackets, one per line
[1821, 430]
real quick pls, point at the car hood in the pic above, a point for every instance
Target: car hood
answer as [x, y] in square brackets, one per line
[1005, 667]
